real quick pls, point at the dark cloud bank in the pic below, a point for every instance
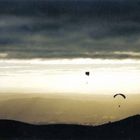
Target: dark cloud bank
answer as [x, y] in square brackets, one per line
[70, 28]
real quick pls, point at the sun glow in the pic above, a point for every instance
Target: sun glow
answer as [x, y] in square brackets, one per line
[68, 76]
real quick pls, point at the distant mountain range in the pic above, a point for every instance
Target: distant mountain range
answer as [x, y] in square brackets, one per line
[126, 129]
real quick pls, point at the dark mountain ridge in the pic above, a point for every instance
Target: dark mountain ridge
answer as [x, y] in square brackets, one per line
[125, 129]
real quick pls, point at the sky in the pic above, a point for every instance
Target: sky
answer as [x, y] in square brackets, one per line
[43, 42]
[70, 29]
[46, 46]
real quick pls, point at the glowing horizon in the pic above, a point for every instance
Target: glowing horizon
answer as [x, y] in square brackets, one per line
[107, 76]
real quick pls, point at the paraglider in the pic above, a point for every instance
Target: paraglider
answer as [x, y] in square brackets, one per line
[87, 73]
[119, 94]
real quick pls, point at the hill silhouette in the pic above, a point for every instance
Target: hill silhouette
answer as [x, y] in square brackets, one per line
[126, 129]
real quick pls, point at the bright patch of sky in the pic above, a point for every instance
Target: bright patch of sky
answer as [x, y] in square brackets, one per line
[68, 76]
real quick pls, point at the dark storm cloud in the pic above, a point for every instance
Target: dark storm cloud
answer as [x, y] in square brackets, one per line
[68, 29]
[96, 8]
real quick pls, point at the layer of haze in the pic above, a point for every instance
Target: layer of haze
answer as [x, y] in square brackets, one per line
[58, 108]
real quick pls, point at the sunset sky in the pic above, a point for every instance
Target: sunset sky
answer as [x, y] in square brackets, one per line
[46, 46]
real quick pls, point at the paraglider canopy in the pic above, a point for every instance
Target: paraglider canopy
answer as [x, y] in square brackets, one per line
[87, 73]
[120, 94]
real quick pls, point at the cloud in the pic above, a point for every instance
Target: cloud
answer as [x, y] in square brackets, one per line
[60, 29]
